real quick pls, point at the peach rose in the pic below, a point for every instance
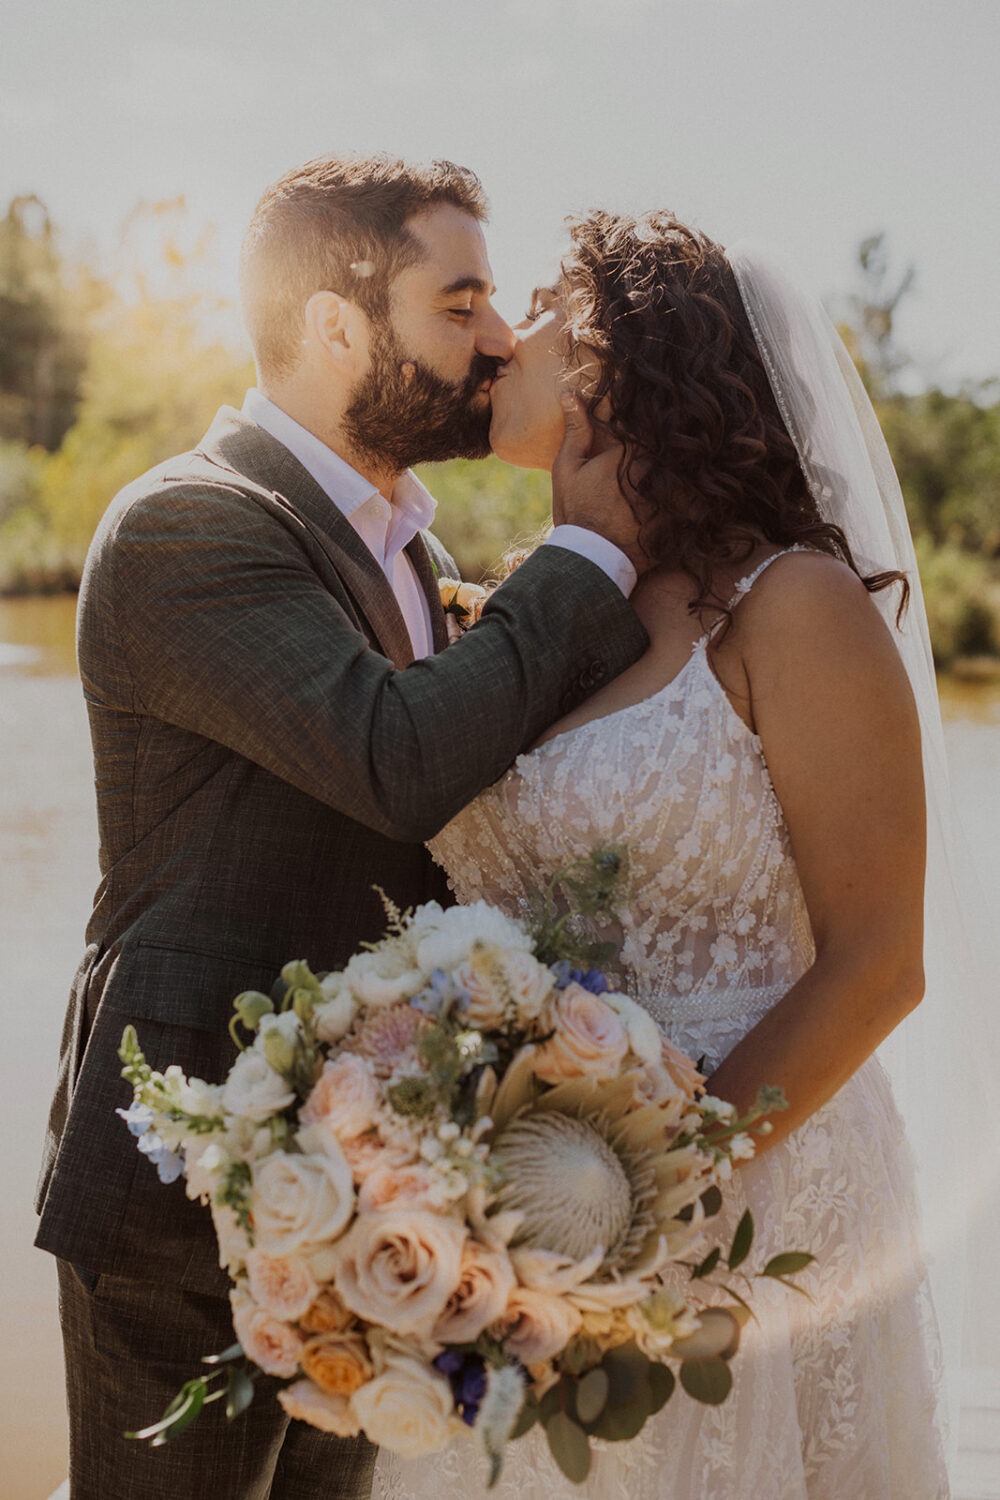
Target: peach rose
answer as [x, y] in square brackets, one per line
[463, 602]
[337, 1362]
[366, 1153]
[680, 1068]
[484, 1289]
[328, 1314]
[308, 1403]
[281, 1284]
[590, 1038]
[344, 1100]
[535, 1326]
[270, 1343]
[393, 1187]
[300, 1200]
[399, 1267]
[408, 1408]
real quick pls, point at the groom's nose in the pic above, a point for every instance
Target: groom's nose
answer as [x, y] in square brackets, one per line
[494, 337]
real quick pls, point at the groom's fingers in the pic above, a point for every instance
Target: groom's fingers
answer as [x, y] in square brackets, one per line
[572, 454]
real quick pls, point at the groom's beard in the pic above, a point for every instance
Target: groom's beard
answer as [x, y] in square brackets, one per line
[396, 422]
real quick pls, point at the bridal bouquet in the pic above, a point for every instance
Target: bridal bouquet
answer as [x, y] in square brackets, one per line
[447, 1182]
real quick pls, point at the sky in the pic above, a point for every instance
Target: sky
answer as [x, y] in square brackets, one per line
[803, 123]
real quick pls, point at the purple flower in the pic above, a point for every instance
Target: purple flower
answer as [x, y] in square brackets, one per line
[466, 1375]
[588, 979]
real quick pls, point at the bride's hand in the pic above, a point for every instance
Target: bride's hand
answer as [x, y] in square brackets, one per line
[586, 491]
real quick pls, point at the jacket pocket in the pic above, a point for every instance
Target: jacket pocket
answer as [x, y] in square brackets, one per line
[182, 986]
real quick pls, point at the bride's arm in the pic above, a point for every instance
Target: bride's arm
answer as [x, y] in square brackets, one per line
[839, 731]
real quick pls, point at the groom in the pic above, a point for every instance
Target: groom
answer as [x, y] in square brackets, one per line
[262, 761]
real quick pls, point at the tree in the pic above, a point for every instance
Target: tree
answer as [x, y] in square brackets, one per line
[42, 330]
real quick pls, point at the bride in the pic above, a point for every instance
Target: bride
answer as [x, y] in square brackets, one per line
[761, 765]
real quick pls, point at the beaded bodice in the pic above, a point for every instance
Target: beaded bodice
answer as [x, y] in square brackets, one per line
[711, 923]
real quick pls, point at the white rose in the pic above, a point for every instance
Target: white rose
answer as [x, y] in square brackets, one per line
[384, 976]
[268, 1341]
[308, 1403]
[407, 1409]
[445, 938]
[400, 1267]
[254, 1090]
[300, 1200]
[335, 1016]
[643, 1032]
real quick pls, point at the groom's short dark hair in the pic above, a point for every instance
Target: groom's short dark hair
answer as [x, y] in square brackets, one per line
[337, 224]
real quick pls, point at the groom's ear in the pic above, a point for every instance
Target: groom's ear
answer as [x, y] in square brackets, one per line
[335, 326]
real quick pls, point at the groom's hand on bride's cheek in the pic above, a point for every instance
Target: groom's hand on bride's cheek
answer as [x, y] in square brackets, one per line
[587, 490]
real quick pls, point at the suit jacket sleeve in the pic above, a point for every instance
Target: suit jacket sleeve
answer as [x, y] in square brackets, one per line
[225, 628]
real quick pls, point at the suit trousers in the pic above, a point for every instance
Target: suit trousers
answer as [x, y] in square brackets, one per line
[129, 1346]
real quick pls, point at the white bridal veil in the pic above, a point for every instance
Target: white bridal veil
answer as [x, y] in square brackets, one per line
[943, 1058]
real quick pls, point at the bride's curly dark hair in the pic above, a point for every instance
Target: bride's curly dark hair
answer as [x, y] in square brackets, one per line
[708, 462]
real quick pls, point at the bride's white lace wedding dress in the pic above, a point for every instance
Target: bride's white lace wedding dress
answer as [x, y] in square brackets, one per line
[834, 1397]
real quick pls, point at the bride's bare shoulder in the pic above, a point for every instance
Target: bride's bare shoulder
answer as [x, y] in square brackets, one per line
[811, 609]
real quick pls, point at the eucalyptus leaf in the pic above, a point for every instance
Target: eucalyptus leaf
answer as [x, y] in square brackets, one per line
[707, 1380]
[558, 1398]
[527, 1417]
[711, 1201]
[240, 1392]
[788, 1263]
[742, 1241]
[708, 1265]
[569, 1446]
[235, 1351]
[592, 1394]
[661, 1386]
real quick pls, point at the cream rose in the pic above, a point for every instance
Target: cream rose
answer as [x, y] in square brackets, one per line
[282, 1285]
[408, 1408]
[502, 984]
[400, 1267]
[345, 1098]
[269, 1342]
[308, 1403]
[338, 1362]
[300, 1200]
[590, 1038]
[253, 1089]
[534, 1326]
[485, 1286]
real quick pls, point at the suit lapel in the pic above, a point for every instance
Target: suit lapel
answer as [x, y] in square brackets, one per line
[247, 451]
[419, 556]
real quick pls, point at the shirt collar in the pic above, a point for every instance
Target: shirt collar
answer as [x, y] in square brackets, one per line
[412, 505]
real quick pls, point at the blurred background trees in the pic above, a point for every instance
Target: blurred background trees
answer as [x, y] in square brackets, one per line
[103, 375]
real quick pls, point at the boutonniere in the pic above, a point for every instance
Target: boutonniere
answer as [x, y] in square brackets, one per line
[462, 604]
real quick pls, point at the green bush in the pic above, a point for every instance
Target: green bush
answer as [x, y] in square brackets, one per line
[486, 507]
[963, 602]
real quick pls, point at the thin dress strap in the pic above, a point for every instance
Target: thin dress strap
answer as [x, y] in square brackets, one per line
[746, 584]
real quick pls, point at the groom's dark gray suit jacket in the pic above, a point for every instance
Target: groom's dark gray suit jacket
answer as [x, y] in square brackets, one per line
[261, 763]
